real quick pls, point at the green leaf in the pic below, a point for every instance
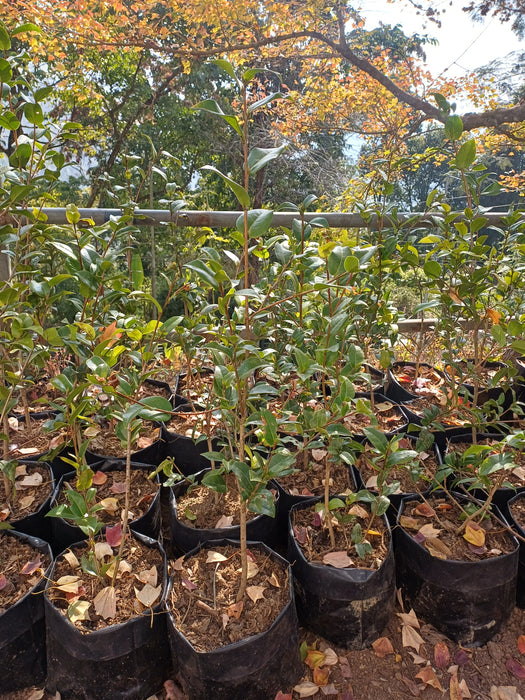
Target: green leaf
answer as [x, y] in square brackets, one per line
[27, 27]
[453, 128]
[265, 100]
[259, 222]
[204, 272]
[433, 269]
[377, 439]
[9, 121]
[212, 107]
[214, 480]
[466, 154]
[137, 271]
[259, 157]
[442, 102]
[33, 113]
[5, 40]
[227, 67]
[263, 503]
[239, 192]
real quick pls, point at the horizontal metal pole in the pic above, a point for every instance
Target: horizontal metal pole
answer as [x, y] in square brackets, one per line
[227, 219]
[413, 325]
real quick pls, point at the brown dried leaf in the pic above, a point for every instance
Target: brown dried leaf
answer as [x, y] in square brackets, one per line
[517, 669]
[103, 549]
[411, 685]
[429, 531]
[235, 609]
[408, 523]
[149, 595]
[110, 505]
[306, 689]
[68, 584]
[331, 658]
[339, 560]
[189, 585]
[320, 676]
[177, 564]
[26, 502]
[28, 450]
[31, 566]
[428, 676]
[437, 548]
[118, 487]
[329, 689]
[505, 692]
[114, 535]
[78, 610]
[255, 593]
[34, 479]
[411, 638]
[441, 655]
[521, 643]
[382, 647]
[319, 454]
[474, 534]
[464, 689]
[253, 569]
[424, 510]
[454, 688]
[105, 603]
[224, 521]
[3, 582]
[99, 478]
[214, 557]
[315, 658]
[409, 618]
[358, 511]
[274, 580]
[148, 576]
[172, 691]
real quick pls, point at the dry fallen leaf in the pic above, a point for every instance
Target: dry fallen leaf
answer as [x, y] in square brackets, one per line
[505, 692]
[429, 531]
[339, 560]
[149, 595]
[315, 658]
[409, 618]
[34, 479]
[331, 658]
[253, 569]
[26, 502]
[319, 454]
[515, 668]
[148, 576]
[358, 511]
[464, 689]
[78, 610]
[306, 689]
[474, 534]
[235, 609]
[224, 521]
[428, 676]
[110, 505]
[118, 487]
[320, 676]
[411, 638]
[255, 593]
[214, 557]
[274, 580]
[99, 478]
[103, 549]
[441, 655]
[382, 647]
[521, 643]
[424, 510]
[114, 535]
[68, 584]
[105, 603]
[31, 566]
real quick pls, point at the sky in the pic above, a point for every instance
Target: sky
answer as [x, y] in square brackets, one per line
[463, 44]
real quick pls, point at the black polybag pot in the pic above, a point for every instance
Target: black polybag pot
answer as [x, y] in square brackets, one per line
[23, 632]
[36, 524]
[184, 538]
[187, 454]
[127, 661]
[349, 607]
[64, 533]
[519, 528]
[255, 668]
[467, 601]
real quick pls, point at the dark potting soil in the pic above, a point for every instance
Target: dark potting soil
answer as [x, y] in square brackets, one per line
[201, 507]
[21, 568]
[105, 442]
[419, 380]
[312, 534]
[309, 480]
[203, 597]
[517, 510]
[26, 441]
[387, 417]
[138, 586]
[33, 486]
[192, 424]
[427, 467]
[111, 489]
[440, 525]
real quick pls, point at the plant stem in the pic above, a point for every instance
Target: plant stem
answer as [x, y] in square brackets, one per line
[125, 519]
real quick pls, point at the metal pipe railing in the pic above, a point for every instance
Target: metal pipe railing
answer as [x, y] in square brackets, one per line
[227, 219]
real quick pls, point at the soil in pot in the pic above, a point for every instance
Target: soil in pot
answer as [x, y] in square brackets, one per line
[228, 649]
[344, 592]
[388, 417]
[309, 479]
[102, 641]
[24, 561]
[514, 510]
[104, 442]
[33, 439]
[144, 512]
[409, 380]
[457, 574]
[26, 507]
[198, 514]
